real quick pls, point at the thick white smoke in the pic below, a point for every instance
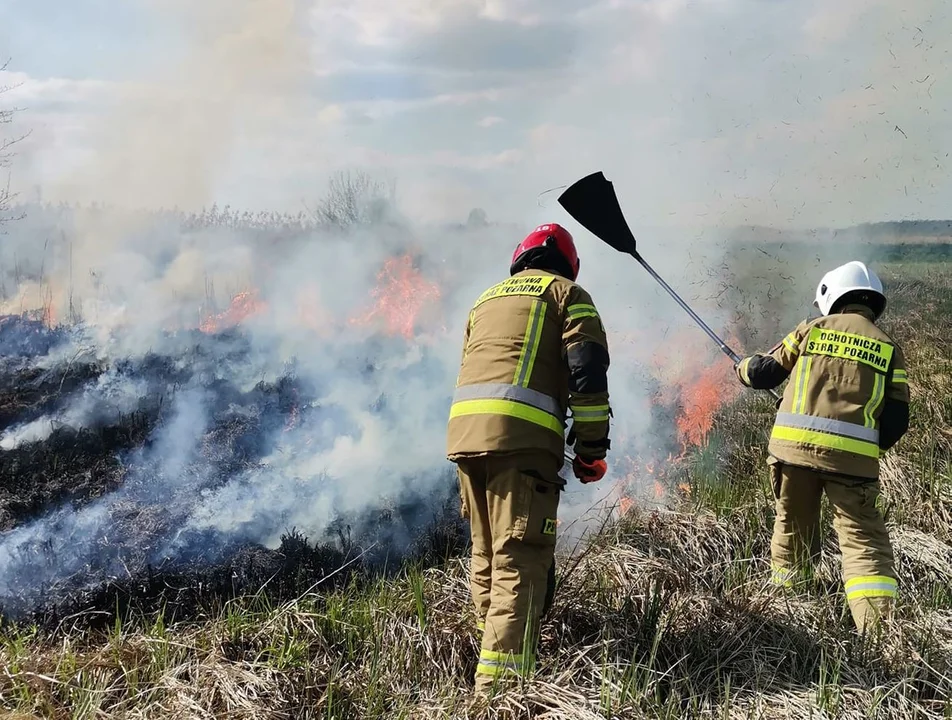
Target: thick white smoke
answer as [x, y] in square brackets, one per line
[107, 399]
[373, 425]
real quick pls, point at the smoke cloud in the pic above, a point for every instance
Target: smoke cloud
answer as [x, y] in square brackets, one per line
[284, 394]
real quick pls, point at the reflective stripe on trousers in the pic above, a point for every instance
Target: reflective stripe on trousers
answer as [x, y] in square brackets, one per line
[499, 663]
[510, 400]
[782, 576]
[871, 586]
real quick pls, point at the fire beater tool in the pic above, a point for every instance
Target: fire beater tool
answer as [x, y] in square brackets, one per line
[594, 205]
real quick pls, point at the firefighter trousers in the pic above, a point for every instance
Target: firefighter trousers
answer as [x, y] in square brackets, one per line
[861, 532]
[511, 502]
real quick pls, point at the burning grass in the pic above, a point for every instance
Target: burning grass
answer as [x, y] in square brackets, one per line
[401, 297]
[242, 306]
[662, 614]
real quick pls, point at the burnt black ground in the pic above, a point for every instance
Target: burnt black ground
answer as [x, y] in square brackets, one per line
[110, 455]
[183, 591]
[71, 467]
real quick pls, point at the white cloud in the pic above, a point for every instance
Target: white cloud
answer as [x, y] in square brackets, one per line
[25, 91]
[331, 115]
[488, 161]
[733, 109]
[831, 22]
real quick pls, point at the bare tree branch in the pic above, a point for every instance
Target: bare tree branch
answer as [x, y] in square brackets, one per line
[6, 152]
[354, 198]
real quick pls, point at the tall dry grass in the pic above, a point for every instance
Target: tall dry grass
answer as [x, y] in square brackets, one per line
[663, 614]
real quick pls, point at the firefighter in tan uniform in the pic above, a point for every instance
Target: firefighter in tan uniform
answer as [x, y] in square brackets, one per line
[534, 349]
[847, 402]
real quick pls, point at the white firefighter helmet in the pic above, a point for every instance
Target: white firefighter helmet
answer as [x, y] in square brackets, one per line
[853, 277]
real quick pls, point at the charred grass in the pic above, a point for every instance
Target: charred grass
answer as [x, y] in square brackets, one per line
[663, 614]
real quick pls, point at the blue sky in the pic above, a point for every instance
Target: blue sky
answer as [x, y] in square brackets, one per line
[81, 38]
[702, 111]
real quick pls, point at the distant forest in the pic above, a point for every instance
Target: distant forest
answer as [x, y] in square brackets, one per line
[898, 241]
[898, 231]
[941, 229]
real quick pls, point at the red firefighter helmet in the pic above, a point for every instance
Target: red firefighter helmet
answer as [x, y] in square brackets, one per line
[553, 236]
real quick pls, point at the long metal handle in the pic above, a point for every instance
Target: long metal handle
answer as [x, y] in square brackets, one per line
[677, 298]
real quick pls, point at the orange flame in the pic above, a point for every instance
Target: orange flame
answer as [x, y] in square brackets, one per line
[695, 385]
[243, 305]
[701, 399]
[401, 295]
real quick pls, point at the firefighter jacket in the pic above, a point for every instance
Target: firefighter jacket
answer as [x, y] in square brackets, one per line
[848, 399]
[534, 348]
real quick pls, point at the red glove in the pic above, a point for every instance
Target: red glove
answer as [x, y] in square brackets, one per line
[588, 471]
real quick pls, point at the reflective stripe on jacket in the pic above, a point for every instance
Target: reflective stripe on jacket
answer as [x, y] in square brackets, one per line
[534, 348]
[842, 369]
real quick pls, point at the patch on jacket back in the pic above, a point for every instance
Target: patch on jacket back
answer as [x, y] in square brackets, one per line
[548, 526]
[532, 285]
[834, 343]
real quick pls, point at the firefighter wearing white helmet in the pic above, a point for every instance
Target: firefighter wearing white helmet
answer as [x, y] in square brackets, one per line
[853, 277]
[847, 403]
